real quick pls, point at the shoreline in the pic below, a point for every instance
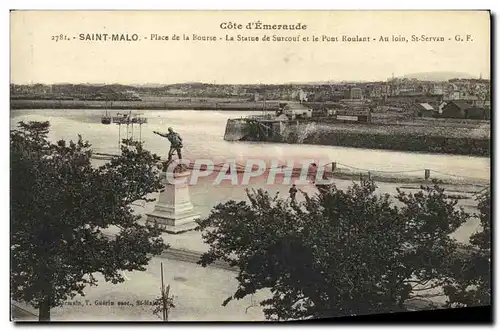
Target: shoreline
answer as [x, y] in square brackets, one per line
[144, 105]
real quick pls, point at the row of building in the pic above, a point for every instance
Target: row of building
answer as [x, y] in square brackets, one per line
[460, 109]
[399, 94]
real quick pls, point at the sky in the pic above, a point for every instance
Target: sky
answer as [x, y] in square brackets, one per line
[36, 57]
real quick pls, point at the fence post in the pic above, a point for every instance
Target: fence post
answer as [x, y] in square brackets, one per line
[427, 174]
[334, 166]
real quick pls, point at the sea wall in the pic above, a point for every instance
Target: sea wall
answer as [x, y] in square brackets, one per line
[235, 129]
[403, 142]
[150, 104]
[446, 139]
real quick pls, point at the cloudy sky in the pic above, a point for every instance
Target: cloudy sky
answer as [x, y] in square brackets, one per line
[37, 58]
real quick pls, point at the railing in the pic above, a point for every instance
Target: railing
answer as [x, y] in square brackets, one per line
[425, 172]
[336, 169]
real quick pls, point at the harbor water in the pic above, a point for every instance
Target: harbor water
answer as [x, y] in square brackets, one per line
[203, 132]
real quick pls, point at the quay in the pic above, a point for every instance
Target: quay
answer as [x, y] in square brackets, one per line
[355, 127]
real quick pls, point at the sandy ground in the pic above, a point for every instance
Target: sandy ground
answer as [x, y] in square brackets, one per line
[198, 294]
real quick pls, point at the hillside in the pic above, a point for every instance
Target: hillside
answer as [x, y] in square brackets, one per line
[439, 76]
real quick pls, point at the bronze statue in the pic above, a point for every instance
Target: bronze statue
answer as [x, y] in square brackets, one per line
[175, 143]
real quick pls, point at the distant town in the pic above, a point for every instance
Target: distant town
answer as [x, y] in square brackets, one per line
[467, 98]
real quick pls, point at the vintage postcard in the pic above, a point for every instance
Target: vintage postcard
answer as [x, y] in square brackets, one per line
[249, 165]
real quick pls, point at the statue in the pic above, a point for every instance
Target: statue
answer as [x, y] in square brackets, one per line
[174, 213]
[175, 146]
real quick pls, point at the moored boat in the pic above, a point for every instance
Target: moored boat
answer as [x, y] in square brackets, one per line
[106, 119]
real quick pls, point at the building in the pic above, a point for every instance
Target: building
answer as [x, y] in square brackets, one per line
[482, 103]
[425, 110]
[354, 93]
[477, 113]
[441, 106]
[437, 90]
[297, 110]
[303, 96]
[453, 95]
[410, 93]
[464, 109]
[336, 96]
[455, 109]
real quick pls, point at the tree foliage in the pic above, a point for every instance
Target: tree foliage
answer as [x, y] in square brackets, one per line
[470, 282]
[337, 253]
[60, 205]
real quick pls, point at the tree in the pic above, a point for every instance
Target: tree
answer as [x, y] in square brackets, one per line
[337, 253]
[470, 283]
[60, 205]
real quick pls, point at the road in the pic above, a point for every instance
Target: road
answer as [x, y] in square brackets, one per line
[193, 257]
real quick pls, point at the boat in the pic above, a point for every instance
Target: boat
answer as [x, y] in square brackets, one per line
[106, 119]
[128, 119]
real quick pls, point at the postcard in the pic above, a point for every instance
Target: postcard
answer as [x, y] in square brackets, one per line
[249, 165]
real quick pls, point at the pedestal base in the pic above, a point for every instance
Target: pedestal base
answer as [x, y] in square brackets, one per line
[173, 225]
[174, 212]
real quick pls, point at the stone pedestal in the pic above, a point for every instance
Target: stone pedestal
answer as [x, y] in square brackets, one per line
[174, 211]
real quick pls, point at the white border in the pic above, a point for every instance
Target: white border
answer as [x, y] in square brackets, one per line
[200, 4]
[255, 4]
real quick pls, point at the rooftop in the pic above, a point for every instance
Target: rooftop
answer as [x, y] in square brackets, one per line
[426, 106]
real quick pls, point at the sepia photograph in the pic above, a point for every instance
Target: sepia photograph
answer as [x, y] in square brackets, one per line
[250, 166]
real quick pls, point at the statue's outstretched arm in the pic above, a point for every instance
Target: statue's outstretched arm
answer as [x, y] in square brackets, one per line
[160, 134]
